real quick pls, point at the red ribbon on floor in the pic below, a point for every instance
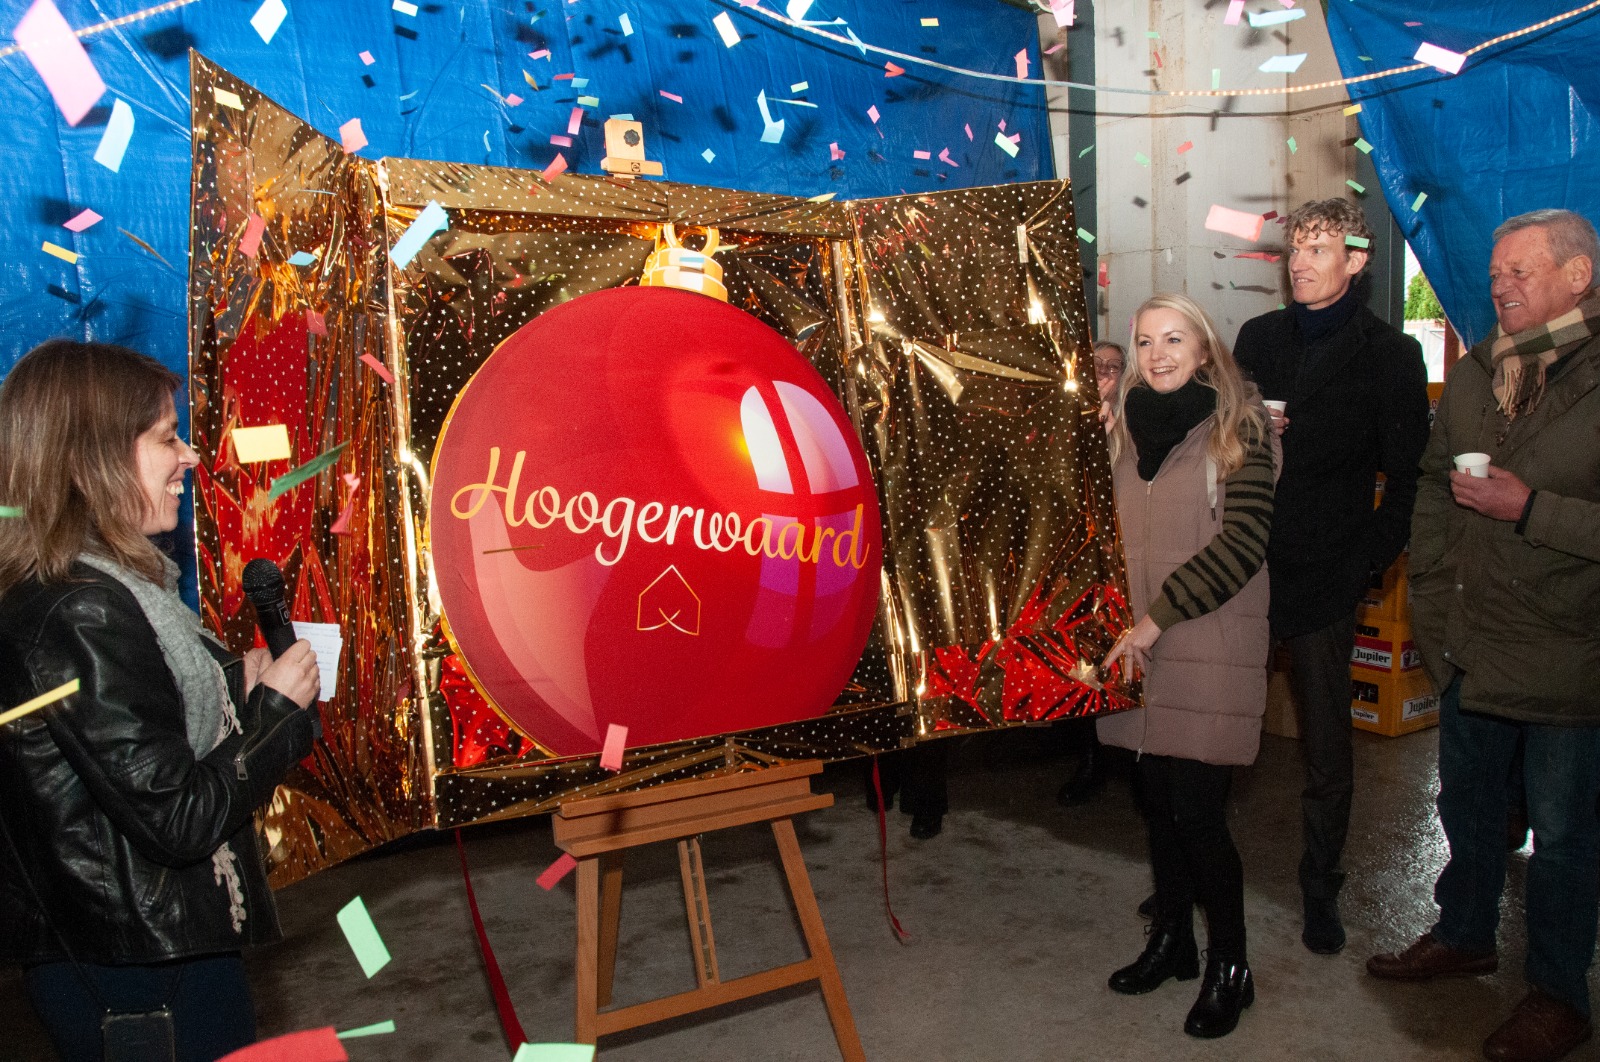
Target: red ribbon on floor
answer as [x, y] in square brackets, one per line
[507, 1010]
[883, 853]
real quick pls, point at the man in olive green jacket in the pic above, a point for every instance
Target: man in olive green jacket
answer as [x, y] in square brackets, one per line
[1505, 570]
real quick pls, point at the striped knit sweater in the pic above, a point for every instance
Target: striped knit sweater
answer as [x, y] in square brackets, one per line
[1234, 555]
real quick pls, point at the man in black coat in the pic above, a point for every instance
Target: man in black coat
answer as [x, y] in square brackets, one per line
[1357, 404]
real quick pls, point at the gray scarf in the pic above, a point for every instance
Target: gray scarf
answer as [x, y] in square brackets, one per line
[208, 712]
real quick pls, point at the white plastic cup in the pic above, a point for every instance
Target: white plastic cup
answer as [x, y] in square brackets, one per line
[1276, 405]
[1475, 465]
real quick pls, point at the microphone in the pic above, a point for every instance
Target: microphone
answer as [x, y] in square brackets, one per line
[263, 585]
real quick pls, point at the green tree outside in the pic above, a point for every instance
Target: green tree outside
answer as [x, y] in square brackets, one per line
[1421, 303]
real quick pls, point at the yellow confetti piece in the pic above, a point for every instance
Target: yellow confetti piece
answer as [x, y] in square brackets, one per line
[930, 22]
[69, 257]
[269, 442]
[1354, 108]
[66, 689]
[229, 99]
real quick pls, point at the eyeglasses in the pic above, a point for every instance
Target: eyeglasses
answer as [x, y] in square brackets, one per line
[1107, 368]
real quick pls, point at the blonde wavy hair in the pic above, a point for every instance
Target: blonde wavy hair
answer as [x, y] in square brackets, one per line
[1241, 419]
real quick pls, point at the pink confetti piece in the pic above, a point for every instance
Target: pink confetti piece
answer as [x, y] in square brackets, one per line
[80, 221]
[1185, 146]
[574, 121]
[250, 242]
[560, 141]
[378, 367]
[557, 870]
[1015, 138]
[1054, 48]
[944, 157]
[673, 96]
[367, 59]
[1235, 223]
[968, 128]
[1235, 13]
[58, 56]
[341, 526]
[1065, 12]
[351, 136]
[834, 153]
[311, 1045]
[1002, 125]
[1022, 63]
[1413, 23]
[1440, 58]
[563, 77]
[316, 324]
[513, 100]
[872, 112]
[616, 745]
[558, 166]
[542, 53]
[922, 154]
[1286, 3]
[890, 70]
[1265, 256]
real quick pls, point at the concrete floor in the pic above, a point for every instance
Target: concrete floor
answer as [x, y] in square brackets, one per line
[1017, 913]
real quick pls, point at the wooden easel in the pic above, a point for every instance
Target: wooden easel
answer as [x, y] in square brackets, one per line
[596, 832]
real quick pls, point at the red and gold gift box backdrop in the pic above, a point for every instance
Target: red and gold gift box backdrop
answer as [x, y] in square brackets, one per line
[945, 435]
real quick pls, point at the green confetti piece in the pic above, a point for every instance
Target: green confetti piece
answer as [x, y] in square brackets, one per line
[1416, 204]
[296, 476]
[1085, 151]
[1362, 145]
[1141, 158]
[367, 1030]
[1361, 189]
[1293, 147]
[1152, 34]
[1085, 235]
[1005, 145]
[1216, 77]
[588, 101]
[555, 1053]
[361, 933]
[1357, 241]
[9, 511]
[1364, 59]
[1281, 306]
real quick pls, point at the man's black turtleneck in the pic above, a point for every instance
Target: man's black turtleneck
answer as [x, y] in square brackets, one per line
[1317, 325]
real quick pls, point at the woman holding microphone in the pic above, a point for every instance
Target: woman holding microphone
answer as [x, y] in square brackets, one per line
[129, 873]
[1193, 460]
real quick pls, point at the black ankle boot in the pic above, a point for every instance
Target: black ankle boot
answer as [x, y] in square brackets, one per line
[1170, 952]
[1227, 990]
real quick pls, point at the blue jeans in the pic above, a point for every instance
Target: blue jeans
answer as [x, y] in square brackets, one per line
[1562, 766]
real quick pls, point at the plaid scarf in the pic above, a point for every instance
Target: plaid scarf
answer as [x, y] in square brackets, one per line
[1520, 360]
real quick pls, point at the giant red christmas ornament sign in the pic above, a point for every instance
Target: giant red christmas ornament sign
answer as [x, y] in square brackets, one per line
[649, 509]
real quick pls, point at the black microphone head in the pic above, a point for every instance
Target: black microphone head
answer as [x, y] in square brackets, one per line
[263, 582]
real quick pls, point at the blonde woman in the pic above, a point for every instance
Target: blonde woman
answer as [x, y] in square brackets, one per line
[1193, 465]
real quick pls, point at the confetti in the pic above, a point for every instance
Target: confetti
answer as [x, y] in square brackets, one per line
[574, 121]
[922, 155]
[1362, 146]
[1005, 145]
[1294, 148]
[1187, 145]
[1357, 241]
[872, 112]
[363, 935]
[250, 242]
[1416, 204]
[554, 1053]
[66, 689]
[310, 470]
[834, 153]
[563, 77]
[404, 7]
[1141, 158]
[59, 57]
[302, 258]
[1360, 189]
[556, 871]
[772, 131]
[1274, 18]
[1085, 151]
[1265, 256]
[513, 100]
[69, 257]
[542, 53]
[1022, 63]
[1054, 48]
[1216, 77]
[432, 219]
[316, 324]
[944, 157]
[627, 24]
[616, 744]
[589, 101]
[1440, 58]
[557, 167]
[968, 129]
[10, 511]
[228, 99]
[369, 1030]
[310, 1045]
[930, 22]
[559, 140]
[1283, 64]
[673, 96]
[269, 442]
[114, 141]
[378, 367]
[1235, 223]
[531, 82]
[709, 155]
[1085, 235]
[367, 59]
[1354, 108]
[1235, 10]
[890, 70]
[725, 30]
[1065, 12]
[80, 221]
[351, 136]
[268, 17]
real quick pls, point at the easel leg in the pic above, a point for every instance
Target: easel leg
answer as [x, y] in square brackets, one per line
[587, 965]
[698, 908]
[805, 903]
[610, 916]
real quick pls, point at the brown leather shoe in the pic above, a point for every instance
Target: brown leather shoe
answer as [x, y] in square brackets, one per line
[1427, 959]
[1541, 1029]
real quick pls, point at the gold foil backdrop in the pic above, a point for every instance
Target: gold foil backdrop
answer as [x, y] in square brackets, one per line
[951, 325]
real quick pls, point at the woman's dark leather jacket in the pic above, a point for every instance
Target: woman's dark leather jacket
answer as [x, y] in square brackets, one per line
[113, 816]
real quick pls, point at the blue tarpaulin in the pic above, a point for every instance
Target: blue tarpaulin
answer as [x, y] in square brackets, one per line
[1514, 131]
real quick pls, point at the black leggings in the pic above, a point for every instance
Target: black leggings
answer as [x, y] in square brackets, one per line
[212, 1014]
[1191, 852]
